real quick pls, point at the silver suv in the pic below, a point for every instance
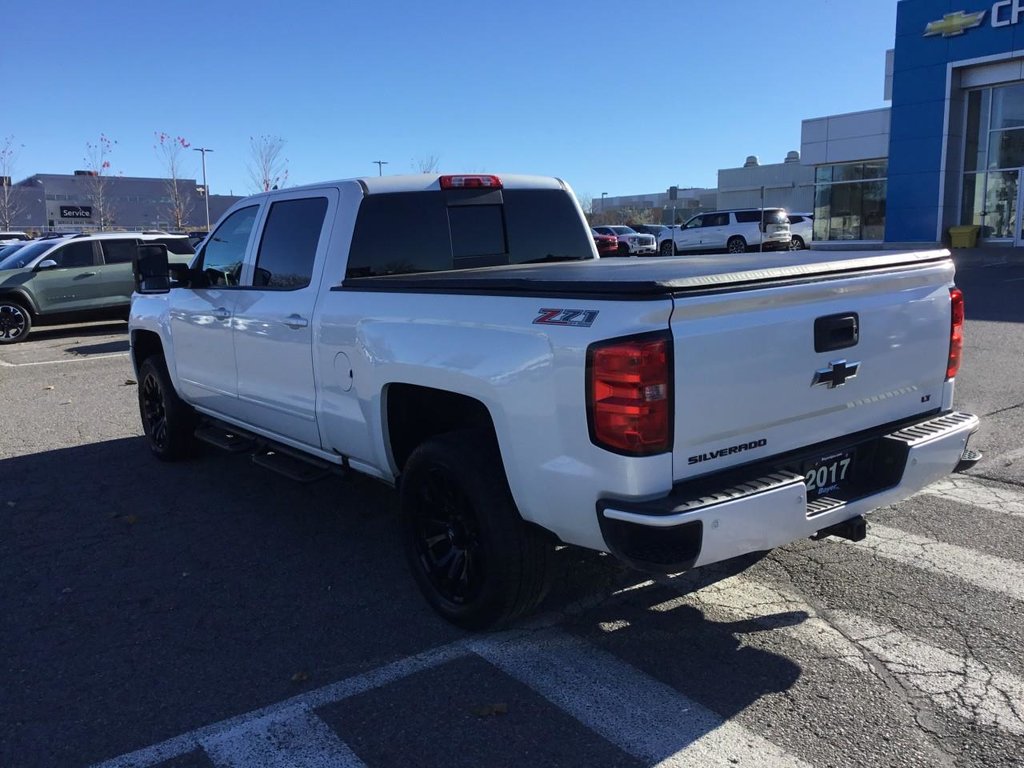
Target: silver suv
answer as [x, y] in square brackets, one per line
[736, 231]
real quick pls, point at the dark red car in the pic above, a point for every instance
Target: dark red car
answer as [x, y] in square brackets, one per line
[607, 245]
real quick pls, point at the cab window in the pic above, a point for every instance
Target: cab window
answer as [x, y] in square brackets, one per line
[288, 246]
[224, 252]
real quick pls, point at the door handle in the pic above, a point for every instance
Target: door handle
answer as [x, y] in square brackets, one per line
[220, 313]
[87, 274]
[295, 321]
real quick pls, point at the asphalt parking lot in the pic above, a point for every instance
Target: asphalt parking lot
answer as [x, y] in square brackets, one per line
[209, 613]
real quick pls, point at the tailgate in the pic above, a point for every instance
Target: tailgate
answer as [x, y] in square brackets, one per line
[750, 384]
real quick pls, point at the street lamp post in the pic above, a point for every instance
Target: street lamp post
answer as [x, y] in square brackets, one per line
[380, 166]
[206, 187]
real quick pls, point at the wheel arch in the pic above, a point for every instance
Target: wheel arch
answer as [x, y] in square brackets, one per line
[145, 344]
[414, 413]
[22, 297]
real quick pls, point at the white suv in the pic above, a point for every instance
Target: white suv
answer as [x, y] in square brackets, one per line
[802, 227]
[736, 231]
[631, 242]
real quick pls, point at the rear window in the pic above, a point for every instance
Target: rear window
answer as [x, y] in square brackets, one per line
[178, 245]
[771, 216]
[406, 232]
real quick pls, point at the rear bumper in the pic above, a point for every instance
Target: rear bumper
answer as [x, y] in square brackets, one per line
[703, 522]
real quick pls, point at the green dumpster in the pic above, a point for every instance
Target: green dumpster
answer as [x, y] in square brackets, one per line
[964, 237]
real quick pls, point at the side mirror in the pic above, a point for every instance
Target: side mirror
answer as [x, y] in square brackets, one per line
[152, 272]
[46, 264]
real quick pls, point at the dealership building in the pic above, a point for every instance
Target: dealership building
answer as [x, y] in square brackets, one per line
[947, 151]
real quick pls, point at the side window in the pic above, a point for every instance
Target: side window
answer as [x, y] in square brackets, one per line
[399, 233]
[118, 251]
[77, 254]
[696, 221]
[748, 217]
[288, 245]
[716, 220]
[224, 252]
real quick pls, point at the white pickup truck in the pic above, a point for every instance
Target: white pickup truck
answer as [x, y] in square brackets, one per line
[459, 338]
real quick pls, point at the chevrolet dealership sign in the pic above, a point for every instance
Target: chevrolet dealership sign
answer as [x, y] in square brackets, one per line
[1003, 14]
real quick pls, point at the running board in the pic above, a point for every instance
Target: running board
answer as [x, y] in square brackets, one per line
[223, 437]
[302, 469]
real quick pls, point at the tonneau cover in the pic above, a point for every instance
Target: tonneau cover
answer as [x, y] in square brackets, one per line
[649, 277]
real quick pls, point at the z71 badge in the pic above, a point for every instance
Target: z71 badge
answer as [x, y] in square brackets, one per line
[579, 318]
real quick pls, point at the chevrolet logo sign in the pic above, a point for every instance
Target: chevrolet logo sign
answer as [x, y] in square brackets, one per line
[953, 24]
[837, 374]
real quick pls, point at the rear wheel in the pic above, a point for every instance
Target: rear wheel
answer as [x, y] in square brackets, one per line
[15, 322]
[668, 248]
[168, 421]
[623, 249]
[796, 244]
[475, 560]
[736, 245]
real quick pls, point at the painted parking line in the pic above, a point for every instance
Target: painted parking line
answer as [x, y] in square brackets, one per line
[228, 731]
[952, 680]
[83, 359]
[642, 716]
[991, 573]
[294, 738]
[1002, 498]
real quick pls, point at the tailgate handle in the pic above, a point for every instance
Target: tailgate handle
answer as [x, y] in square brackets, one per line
[836, 331]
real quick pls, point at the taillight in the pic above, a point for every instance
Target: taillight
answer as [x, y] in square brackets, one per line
[956, 332]
[629, 394]
[475, 181]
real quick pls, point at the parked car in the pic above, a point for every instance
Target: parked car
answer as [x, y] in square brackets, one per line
[607, 245]
[8, 249]
[631, 243]
[801, 225]
[735, 231]
[76, 277]
[11, 236]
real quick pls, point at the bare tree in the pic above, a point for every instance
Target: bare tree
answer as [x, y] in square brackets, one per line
[586, 203]
[267, 169]
[169, 150]
[11, 203]
[427, 164]
[97, 162]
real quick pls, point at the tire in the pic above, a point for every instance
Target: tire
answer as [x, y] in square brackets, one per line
[736, 245]
[797, 243]
[168, 421]
[472, 556]
[668, 248]
[623, 249]
[15, 321]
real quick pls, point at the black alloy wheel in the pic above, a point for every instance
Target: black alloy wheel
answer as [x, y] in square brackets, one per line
[15, 322]
[448, 539]
[168, 421]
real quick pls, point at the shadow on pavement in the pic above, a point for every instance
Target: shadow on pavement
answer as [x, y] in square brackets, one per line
[147, 599]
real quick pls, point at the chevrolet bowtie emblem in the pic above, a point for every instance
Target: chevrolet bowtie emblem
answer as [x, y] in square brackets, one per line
[837, 374]
[953, 24]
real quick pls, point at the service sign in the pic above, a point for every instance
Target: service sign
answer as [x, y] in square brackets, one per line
[76, 211]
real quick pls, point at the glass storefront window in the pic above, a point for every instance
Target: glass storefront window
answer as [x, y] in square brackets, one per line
[1008, 107]
[852, 206]
[1006, 149]
[973, 206]
[1001, 204]
[977, 126]
[822, 174]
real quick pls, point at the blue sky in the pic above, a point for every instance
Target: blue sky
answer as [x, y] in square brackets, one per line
[617, 97]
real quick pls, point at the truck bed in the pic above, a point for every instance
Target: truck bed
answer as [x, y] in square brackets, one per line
[630, 278]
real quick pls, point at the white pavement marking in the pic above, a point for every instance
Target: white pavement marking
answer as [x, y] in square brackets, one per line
[5, 364]
[952, 681]
[287, 739]
[329, 694]
[994, 574]
[646, 718]
[994, 497]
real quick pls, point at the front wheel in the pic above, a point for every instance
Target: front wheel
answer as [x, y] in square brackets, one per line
[475, 560]
[668, 248]
[623, 249]
[15, 322]
[168, 421]
[736, 245]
